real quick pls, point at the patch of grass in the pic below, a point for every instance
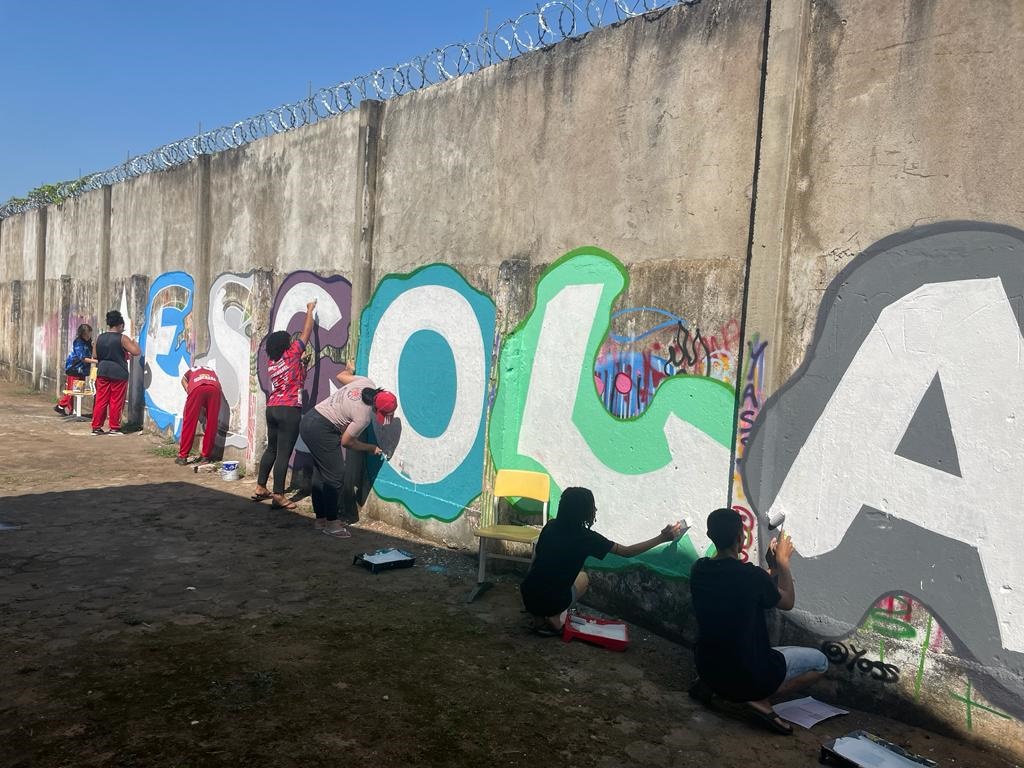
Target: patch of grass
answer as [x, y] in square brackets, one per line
[29, 391]
[166, 450]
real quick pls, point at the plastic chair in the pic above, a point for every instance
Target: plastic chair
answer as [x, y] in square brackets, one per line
[516, 483]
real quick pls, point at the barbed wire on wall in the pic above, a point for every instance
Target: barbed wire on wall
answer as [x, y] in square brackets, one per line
[548, 24]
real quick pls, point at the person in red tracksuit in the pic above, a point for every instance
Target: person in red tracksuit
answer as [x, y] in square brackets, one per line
[204, 395]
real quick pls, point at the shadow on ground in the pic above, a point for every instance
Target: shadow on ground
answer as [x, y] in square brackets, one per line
[179, 624]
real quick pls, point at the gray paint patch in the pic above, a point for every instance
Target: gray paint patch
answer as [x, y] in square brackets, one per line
[880, 555]
[929, 436]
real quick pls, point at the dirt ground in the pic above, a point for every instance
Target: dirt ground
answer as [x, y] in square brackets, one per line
[155, 617]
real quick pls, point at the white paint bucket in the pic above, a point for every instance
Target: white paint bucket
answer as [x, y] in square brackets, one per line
[229, 470]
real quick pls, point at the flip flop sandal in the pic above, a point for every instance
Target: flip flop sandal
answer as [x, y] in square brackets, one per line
[261, 496]
[341, 533]
[770, 720]
[546, 631]
[291, 505]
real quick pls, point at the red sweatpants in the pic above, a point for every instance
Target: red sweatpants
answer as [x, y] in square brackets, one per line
[205, 397]
[66, 401]
[109, 393]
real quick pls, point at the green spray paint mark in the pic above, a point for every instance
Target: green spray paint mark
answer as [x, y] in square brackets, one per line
[971, 704]
[920, 662]
[671, 461]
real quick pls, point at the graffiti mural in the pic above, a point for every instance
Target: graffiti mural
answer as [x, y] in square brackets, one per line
[165, 339]
[230, 353]
[750, 399]
[669, 462]
[428, 337]
[646, 345]
[896, 456]
[327, 346]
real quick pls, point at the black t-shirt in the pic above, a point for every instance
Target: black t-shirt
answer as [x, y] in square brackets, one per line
[110, 354]
[561, 552]
[733, 654]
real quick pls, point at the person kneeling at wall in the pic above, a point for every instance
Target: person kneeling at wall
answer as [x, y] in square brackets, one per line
[556, 579]
[734, 658]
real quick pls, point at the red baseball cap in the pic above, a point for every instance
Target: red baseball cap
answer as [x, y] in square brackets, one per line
[384, 404]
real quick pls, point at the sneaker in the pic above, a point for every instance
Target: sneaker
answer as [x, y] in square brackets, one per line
[98, 432]
[60, 410]
[204, 462]
[115, 432]
[180, 461]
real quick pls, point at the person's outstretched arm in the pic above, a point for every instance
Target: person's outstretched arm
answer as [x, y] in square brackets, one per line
[350, 439]
[787, 590]
[348, 375]
[130, 346]
[307, 328]
[668, 533]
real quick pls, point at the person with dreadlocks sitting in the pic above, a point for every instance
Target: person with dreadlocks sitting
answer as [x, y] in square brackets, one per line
[556, 579]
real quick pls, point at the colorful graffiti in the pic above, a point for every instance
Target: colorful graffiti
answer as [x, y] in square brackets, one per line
[895, 457]
[165, 339]
[647, 345]
[327, 347]
[230, 353]
[671, 461]
[428, 336]
[750, 400]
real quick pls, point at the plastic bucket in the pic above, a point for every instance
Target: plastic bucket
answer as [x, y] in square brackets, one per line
[229, 470]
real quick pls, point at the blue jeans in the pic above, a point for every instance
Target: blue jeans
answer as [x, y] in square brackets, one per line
[800, 661]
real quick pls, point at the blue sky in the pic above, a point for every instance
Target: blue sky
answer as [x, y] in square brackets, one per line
[85, 83]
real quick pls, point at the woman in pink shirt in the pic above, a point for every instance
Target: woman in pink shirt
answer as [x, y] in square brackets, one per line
[287, 375]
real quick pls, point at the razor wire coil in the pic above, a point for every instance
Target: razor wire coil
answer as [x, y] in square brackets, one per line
[550, 23]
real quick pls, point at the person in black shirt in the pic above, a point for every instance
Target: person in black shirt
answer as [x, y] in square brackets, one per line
[734, 658]
[556, 578]
[112, 350]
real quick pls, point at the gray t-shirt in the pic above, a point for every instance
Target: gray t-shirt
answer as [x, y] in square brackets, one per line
[346, 410]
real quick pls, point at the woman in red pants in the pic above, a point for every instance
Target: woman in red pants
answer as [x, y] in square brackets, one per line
[113, 351]
[203, 388]
[76, 366]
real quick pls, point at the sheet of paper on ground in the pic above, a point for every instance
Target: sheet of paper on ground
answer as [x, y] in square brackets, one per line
[807, 711]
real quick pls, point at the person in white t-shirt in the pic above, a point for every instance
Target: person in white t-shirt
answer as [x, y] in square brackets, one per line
[335, 423]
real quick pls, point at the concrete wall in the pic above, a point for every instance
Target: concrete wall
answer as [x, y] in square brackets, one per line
[888, 248]
[12, 321]
[546, 261]
[501, 174]
[74, 235]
